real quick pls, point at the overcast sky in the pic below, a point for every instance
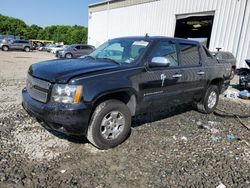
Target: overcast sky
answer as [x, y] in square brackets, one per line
[48, 12]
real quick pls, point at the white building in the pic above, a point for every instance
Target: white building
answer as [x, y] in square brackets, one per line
[222, 23]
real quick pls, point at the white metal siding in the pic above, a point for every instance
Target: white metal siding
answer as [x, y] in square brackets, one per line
[159, 18]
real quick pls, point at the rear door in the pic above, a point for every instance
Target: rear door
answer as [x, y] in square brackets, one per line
[194, 74]
[162, 86]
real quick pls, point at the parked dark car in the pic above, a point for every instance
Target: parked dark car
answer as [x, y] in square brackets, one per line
[16, 45]
[75, 51]
[96, 96]
[244, 76]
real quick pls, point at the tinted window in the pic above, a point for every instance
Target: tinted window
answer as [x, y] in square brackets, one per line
[85, 48]
[168, 50]
[23, 42]
[189, 55]
[78, 47]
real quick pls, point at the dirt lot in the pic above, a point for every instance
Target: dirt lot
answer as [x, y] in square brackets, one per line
[175, 148]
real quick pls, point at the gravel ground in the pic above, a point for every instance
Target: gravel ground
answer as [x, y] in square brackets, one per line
[178, 147]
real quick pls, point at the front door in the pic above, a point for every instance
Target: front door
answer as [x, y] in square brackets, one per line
[162, 86]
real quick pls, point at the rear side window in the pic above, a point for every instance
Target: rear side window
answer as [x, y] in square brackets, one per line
[190, 55]
[168, 50]
[86, 48]
[78, 47]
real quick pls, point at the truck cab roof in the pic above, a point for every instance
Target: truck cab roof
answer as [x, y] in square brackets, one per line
[157, 38]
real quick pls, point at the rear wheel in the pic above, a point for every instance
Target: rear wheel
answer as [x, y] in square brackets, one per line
[27, 49]
[68, 56]
[5, 48]
[210, 101]
[109, 125]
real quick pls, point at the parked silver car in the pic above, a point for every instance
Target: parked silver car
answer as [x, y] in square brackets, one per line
[75, 51]
[16, 45]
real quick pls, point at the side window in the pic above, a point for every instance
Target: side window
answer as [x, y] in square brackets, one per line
[189, 54]
[89, 48]
[78, 47]
[84, 47]
[168, 50]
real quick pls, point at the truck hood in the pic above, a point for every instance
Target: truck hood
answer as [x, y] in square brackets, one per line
[61, 71]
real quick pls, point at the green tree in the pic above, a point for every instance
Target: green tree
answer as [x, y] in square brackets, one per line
[57, 33]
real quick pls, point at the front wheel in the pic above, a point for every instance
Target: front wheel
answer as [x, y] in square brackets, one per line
[68, 56]
[109, 125]
[5, 48]
[210, 100]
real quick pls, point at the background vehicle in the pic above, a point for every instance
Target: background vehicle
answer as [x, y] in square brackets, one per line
[244, 77]
[52, 46]
[75, 51]
[57, 48]
[16, 45]
[45, 47]
[96, 96]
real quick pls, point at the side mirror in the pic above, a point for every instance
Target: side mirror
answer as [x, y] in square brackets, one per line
[159, 62]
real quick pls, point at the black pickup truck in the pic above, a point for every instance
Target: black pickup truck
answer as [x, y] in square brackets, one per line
[96, 96]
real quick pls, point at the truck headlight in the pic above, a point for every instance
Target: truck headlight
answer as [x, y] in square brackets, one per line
[68, 94]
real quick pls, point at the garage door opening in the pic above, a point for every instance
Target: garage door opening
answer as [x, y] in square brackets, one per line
[195, 27]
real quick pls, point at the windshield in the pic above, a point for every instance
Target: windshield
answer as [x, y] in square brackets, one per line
[122, 51]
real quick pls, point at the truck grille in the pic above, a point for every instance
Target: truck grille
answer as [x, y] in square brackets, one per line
[38, 89]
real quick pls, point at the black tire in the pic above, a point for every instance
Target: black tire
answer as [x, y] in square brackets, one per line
[68, 56]
[5, 48]
[95, 135]
[27, 49]
[203, 106]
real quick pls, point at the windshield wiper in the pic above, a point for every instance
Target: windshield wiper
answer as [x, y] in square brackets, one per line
[111, 60]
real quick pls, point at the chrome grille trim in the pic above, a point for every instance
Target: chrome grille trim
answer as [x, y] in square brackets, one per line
[38, 89]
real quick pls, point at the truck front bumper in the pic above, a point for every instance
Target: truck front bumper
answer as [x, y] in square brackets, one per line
[67, 118]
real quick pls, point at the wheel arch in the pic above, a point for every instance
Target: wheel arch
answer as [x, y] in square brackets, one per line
[127, 96]
[218, 82]
[5, 46]
[27, 47]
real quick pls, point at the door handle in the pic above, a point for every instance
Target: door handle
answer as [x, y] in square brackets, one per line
[177, 75]
[201, 73]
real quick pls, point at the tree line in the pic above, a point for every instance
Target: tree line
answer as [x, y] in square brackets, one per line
[57, 33]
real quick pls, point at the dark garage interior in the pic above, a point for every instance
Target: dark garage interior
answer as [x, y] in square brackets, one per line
[195, 27]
